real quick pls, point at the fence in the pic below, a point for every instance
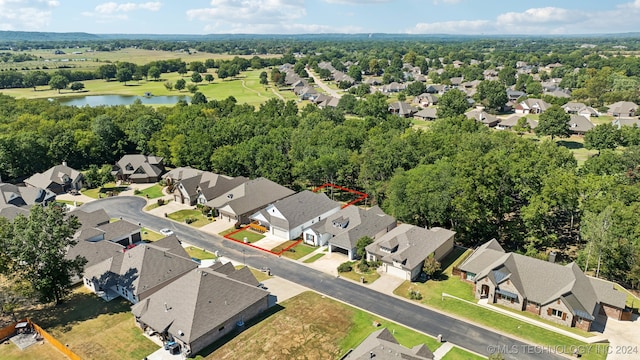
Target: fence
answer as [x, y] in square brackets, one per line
[8, 331]
[55, 343]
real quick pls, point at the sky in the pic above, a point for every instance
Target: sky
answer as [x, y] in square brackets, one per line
[478, 17]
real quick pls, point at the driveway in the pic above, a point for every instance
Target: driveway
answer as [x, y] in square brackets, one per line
[324, 86]
[462, 333]
[624, 339]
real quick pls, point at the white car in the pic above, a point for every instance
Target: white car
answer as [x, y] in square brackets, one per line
[166, 232]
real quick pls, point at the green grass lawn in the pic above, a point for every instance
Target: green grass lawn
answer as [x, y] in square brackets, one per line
[152, 192]
[260, 275]
[83, 320]
[150, 235]
[308, 326]
[228, 231]
[198, 253]
[155, 205]
[432, 290]
[457, 353]
[104, 190]
[355, 274]
[296, 252]
[181, 215]
[313, 258]
[251, 236]
[40, 351]
[632, 300]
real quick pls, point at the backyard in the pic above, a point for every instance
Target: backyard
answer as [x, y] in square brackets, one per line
[308, 326]
[431, 292]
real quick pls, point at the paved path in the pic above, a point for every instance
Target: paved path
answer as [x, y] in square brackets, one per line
[324, 86]
[442, 350]
[467, 335]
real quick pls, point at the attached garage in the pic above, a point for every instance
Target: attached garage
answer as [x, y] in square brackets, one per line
[397, 272]
[281, 233]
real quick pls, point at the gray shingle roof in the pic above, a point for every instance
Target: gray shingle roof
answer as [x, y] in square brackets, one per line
[580, 124]
[250, 195]
[360, 222]
[180, 173]
[59, 174]
[91, 219]
[139, 166]
[11, 212]
[382, 345]
[607, 293]
[414, 244]
[196, 303]
[298, 209]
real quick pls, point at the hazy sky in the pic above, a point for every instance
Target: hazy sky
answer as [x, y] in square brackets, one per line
[322, 16]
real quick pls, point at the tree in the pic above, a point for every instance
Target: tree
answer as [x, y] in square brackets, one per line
[168, 85]
[355, 72]
[452, 103]
[154, 73]
[361, 244]
[522, 126]
[595, 229]
[58, 82]
[123, 75]
[39, 248]
[264, 78]
[192, 88]
[180, 84]
[603, 136]
[431, 265]
[416, 88]
[493, 94]
[208, 78]
[182, 69]
[196, 77]
[107, 71]
[77, 86]
[507, 75]
[198, 98]
[553, 122]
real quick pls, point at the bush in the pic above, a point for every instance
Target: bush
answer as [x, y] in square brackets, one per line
[160, 202]
[415, 294]
[205, 210]
[136, 192]
[190, 220]
[344, 267]
[363, 266]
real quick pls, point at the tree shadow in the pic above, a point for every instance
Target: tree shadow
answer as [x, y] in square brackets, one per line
[571, 145]
[228, 337]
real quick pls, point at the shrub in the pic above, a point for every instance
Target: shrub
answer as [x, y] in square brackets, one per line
[344, 267]
[190, 220]
[415, 294]
[205, 210]
[160, 202]
[136, 192]
[363, 266]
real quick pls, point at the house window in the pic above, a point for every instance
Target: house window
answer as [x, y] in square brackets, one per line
[470, 276]
[556, 313]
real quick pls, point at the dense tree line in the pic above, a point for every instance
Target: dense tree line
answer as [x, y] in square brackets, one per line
[530, 195]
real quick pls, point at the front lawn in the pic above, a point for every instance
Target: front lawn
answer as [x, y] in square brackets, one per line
[199, 254]
[109, 189]
[251, 236]
[457, 353]
[150, 235]
[308, 326]
[152, 192]
[299, 251]
[355, 274]
[182, 215]
[313, 258]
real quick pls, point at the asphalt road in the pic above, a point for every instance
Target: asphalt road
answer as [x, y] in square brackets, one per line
[456, 331]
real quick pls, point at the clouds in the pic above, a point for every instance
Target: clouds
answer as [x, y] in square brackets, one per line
[26, 14]
[113, 10]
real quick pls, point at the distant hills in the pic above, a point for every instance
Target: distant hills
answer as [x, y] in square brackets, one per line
[15, 36]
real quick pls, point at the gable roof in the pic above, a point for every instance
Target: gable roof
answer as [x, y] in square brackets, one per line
[11, 212]
[623, 108]
[482, 116]
[250, 195]
[531, 103]
[382, 345]
[139, 165]
[297, 209]
[580, 124]
[512, 120]
[24, 196]
[59, 174]
[199, 301]
[352, 223]
[413, 244]
[91, 219]
[180, 173]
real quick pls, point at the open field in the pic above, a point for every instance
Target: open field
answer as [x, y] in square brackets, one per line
[308, 326]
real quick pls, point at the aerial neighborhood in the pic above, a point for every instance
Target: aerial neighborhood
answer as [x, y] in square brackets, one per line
[347, 198]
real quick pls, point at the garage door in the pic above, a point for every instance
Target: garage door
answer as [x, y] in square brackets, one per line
[397, 272]
[280, 233]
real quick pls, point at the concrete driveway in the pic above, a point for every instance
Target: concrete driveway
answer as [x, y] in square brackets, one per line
[624, 339]
[329, 263]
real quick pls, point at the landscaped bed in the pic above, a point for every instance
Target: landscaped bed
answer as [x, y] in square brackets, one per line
[309, 326]
[199, 220]
[369, 276]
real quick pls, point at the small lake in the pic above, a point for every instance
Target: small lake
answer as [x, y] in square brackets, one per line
[112, 100]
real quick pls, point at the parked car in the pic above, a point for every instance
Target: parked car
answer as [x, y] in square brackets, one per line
[166, 232]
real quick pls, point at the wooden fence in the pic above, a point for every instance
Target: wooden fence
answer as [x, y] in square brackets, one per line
[55, 343]
[8, 331]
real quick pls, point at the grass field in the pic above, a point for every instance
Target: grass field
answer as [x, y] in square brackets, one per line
[182, 215]
[152, 192]
[431, 292]
[251, 236]
[308, 326]
[83, 320]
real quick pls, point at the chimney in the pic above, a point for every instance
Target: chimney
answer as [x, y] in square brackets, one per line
[64, 163]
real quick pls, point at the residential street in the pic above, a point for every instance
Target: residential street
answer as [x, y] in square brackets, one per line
[324, 86]
[466, 335]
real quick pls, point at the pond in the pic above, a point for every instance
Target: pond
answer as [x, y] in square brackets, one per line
[112, 100]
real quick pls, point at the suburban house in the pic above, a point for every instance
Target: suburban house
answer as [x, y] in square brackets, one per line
[382, 344]
[511, 121]
[483, 117]
[138, 168]
[514, 95]
[342, 230]
[138, 272]
[623, 109]
[532, 106]
[393, 87]
[11, 212]
[401, 108]
[21, 196]
[425, 99]
[619, 122]
[201, 306]
[578, 125]
[578, 108]
[403, 249]
[175, 175]
[287, 218]
[204, 187]
[58, 179]
[237, 204]
[562, 294]
[428, 114]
